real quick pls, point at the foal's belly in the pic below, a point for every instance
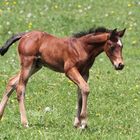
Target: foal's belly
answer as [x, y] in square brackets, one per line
[54, 65]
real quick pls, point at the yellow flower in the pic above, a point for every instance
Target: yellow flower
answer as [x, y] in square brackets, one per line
[14, 2]
[69, 81]
[6, 3]
[129, 5]
[98, 114]
[112, 12]
[55, 6]
[79, 6]
[30, 25]
[0, 12]
[133, 43]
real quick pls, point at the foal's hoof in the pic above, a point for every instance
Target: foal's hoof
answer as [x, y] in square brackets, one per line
[77, 123]
[83, 123]
[25, 125]
[83, 126]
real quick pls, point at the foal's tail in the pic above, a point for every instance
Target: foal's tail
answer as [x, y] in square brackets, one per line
[9, 42]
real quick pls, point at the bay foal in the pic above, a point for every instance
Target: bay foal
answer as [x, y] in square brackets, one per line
[73, 56]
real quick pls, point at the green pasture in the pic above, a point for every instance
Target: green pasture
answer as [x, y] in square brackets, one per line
[114, 100]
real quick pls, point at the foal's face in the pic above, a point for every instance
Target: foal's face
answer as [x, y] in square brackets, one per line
[113, 49]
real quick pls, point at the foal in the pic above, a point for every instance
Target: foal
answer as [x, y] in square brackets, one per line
[73, 56]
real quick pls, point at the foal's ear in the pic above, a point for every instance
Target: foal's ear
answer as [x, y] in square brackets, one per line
[113, 34]
[121, 33]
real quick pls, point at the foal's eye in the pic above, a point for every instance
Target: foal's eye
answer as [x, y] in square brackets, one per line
[112, 48]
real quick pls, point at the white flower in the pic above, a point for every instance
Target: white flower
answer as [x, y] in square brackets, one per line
[47, 109]
[29, 15]
[7, 23]
[21, 12]
[129, 13]
[89, 7]
[106, 15]
[80, 10]
[9, 32]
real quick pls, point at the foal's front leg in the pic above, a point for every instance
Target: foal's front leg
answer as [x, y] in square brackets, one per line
[77, 121]
[76, 77]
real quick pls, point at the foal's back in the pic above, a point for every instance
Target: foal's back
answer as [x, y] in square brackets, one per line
[57, 53]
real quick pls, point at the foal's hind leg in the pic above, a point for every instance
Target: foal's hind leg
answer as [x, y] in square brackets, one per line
[29, 67]
[9, 89]
[21, 94]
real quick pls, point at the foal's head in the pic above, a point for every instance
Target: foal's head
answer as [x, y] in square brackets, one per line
[113, 48]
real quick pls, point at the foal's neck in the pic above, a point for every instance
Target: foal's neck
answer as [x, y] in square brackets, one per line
[94, 44]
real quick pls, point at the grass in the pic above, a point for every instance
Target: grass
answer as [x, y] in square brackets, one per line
[113, 105]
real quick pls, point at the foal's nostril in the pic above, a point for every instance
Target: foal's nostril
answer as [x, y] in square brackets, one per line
[120, 66]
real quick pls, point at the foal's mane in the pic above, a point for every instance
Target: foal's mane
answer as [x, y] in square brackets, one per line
[90, 31]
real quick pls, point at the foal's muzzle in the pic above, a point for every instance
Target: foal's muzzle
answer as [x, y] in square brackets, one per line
[119, 66]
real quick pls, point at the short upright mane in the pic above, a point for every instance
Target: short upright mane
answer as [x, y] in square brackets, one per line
[90, 31]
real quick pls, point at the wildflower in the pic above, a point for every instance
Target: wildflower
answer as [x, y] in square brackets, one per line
[9, 9]
[6, 3]
[89, 7]
[30, 25]
[134, 42]
[7, 23]
[40, 132]
[79, 6]
[55, 6]
[131, 25]
[135, 24]
[29, 15]
[106, 15]
[135, 99]
[130, 28]
[0, 12]
[129, 13]
[93, 20]
[112, 12]
[47, 109]
[98, 114]
[9, 32]
[137, 86]
[14, 2]
[80, 10]
[21, 12]
[129, 5]
[41, 13]
[70, 82]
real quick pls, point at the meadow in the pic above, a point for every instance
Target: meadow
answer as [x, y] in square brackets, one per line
[114, 100]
